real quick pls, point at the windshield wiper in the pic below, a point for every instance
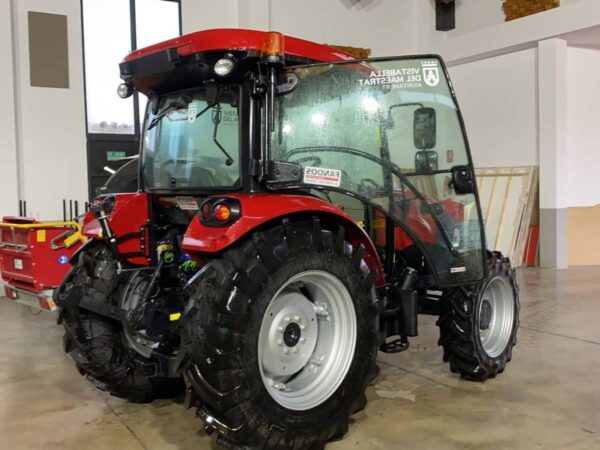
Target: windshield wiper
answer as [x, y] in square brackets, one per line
[216, 118]
[163, 113]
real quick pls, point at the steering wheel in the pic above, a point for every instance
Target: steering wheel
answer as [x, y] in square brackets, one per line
[174, 161]
[366, 190]
[364, 181]
[315, 159]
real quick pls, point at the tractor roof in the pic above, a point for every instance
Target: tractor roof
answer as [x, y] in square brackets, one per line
[187, 60]
[240, 39]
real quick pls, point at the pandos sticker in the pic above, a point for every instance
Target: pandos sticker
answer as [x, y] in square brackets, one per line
[322, 176]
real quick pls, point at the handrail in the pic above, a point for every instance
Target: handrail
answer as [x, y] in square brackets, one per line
[69, 240]
[40, 225]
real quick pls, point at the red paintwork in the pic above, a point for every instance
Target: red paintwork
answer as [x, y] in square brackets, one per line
[531, 250]
[40, 266]
[423, 226]
[129, 214]
[258, 209]
[240, 39]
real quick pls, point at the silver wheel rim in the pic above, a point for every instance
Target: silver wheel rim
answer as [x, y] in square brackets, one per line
[496, 316]
[307, 340]
[137, 339]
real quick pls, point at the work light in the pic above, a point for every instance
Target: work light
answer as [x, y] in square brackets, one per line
[224, 66]
[124, 90]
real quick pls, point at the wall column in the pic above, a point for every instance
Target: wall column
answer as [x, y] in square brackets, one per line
[552, 98]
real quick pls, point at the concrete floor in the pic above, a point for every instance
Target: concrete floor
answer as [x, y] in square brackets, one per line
[549, 397]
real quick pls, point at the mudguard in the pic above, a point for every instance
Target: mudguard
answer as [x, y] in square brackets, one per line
[128, 220]
[259, 209]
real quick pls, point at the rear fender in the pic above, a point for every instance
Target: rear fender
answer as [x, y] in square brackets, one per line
[128, 220]
[260, 209]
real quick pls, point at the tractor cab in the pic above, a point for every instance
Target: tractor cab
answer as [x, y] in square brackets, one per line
[383, 139]
[387, 132]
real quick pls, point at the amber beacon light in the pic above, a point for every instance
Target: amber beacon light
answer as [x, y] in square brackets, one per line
[272, 47]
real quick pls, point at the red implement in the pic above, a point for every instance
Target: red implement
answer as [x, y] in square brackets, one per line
[34, 258]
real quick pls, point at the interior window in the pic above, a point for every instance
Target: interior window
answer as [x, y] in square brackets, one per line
[192, 140]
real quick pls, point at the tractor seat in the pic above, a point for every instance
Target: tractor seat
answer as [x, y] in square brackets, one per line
[203, 176]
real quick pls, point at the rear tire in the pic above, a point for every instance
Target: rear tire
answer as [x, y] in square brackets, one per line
[478, 324]
[98, 344]
[235, 325]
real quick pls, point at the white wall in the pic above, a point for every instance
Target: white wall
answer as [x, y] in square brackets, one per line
[206, 14]
[498, 99]
[474, 15]
[50, 121]
[583, 127]
[459, 46]
[388, 27]
[8, 149]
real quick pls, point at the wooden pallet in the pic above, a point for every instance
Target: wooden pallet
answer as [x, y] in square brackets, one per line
[508, 198]
[515, 9]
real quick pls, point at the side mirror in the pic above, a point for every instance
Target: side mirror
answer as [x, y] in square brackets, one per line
[462, 180]
[154, 104]
[426, 161]
[424, 128]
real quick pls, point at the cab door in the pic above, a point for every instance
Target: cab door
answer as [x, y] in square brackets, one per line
[388, 131]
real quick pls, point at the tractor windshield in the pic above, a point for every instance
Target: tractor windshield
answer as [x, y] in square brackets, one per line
[192, 140]
[390, 133]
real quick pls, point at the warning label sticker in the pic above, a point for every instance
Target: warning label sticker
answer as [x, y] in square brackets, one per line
[40, 236]
[192, 112]
[322, 176]
[187, 203]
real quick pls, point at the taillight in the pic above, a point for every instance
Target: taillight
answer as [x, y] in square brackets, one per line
[206, 211]
[222, 212]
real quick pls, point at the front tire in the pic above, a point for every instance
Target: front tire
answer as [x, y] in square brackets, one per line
[283, 338]
[478, 324]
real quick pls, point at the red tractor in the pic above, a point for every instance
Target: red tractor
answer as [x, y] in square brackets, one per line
[297, 210]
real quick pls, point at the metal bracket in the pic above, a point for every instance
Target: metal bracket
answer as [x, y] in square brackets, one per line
[104, 309]
[281, 172]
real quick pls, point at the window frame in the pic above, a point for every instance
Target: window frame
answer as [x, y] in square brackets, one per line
[195, 190]
[133, 40]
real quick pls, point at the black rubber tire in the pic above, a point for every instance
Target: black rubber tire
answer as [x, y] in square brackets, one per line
[459, 325]
[232, 295]
[97, 343]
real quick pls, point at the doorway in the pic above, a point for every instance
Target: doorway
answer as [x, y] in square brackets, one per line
[112, 29]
